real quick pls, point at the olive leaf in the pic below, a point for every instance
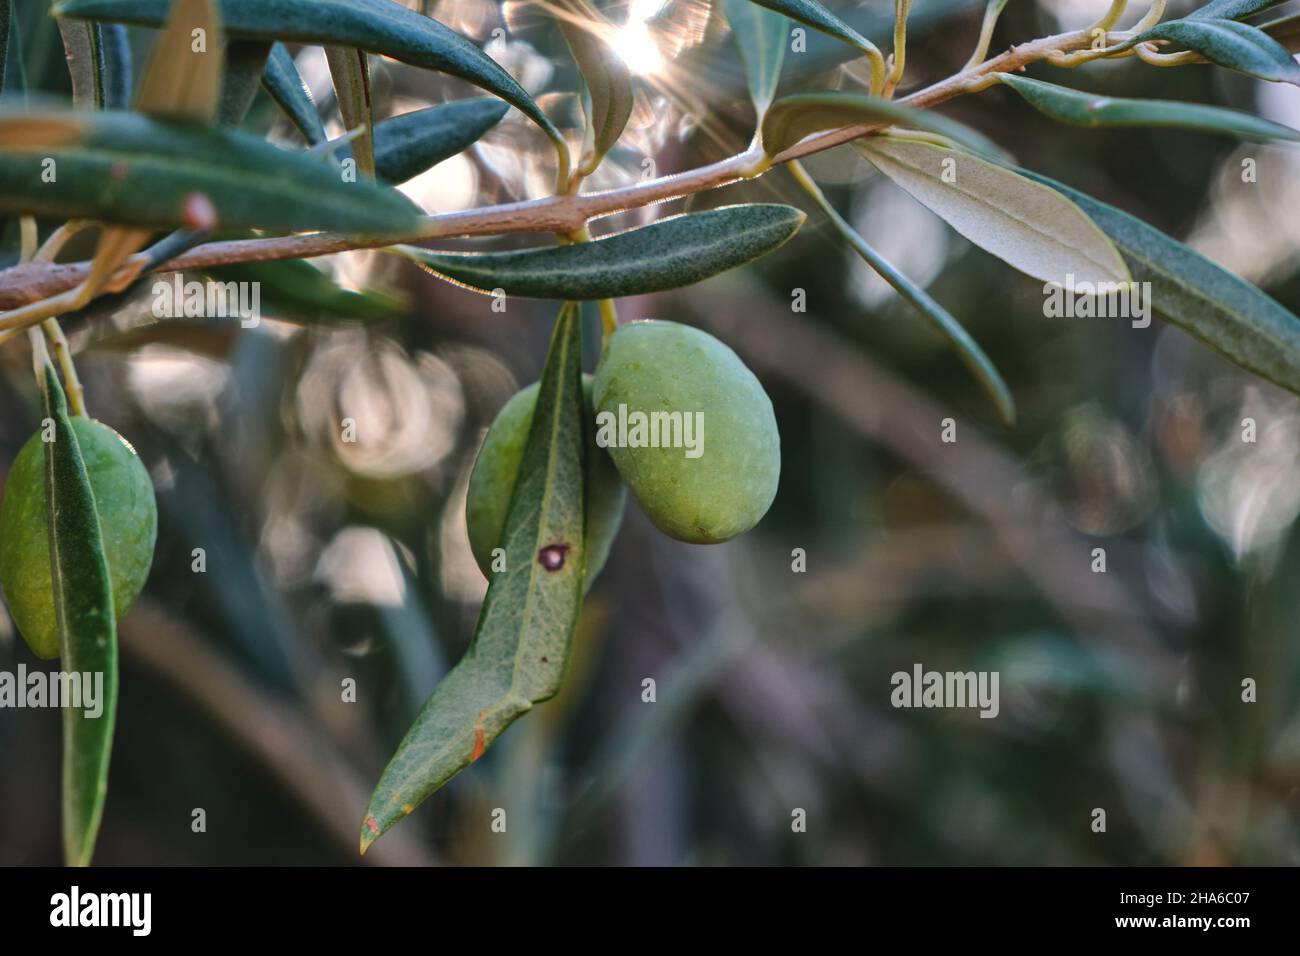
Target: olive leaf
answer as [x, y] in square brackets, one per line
[791, 118]
[608, 80]
[351, 74]
[1237, 46]
[1232, 9]
[673, 252]
[408, 144]
[131, 168]
[521, 643]
[1086, 109]
[377, 26]
[285, 85]
[975, 358]
[1027, 225]
[761, 36]
[83, 603]
[1204, 299]
[245, 63]
[813, 14]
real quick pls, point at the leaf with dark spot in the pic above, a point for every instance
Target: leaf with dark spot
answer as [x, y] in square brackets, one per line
[521, 643]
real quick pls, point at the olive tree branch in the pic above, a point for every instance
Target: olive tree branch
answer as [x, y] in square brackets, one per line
[564, 214]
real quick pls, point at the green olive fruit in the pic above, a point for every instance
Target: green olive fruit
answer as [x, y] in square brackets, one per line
[718, 474]
[128, 521]
[497, 467]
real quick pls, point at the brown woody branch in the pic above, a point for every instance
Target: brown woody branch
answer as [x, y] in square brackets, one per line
[32, 282]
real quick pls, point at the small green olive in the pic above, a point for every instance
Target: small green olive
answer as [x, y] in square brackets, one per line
[128, 521]
[686, 390]
[497, 468]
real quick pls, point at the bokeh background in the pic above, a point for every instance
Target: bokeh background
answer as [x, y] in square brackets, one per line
[327, 560]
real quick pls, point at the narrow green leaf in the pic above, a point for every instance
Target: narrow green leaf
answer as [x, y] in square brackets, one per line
[407, 145]
[1232, 9]
[284, 83]
[791, 118]
[1028, 226]
[245, 63]
[115, 55]
[1227, 313]
[975, 358]
[130, 168]
[608, 80]
[761, 36]
[297, 290]
[667, 254]
[377, 26]
[813, 14]
[351, 74]
[1086, 109]
[521, 644]
[83, 602]
[1237, 46]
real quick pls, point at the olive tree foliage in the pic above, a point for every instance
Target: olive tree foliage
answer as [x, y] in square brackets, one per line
[157, 164]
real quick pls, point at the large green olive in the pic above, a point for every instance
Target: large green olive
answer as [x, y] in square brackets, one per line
[719, 474]
[497, 467]
[128, 521]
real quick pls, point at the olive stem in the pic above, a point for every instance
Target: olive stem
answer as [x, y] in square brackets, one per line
[63, 352]
[30, 283]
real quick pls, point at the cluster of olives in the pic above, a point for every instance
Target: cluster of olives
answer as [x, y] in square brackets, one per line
[128, 521]
[649, 366]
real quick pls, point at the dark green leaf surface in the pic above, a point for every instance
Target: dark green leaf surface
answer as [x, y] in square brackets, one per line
[1087, 109]
[975, 358]
[284, 83]
[1232, 9]
[115, 55]
[245, 62]
[761, 36]
[407, 145]
[379, 26]
[130, 168]
[1209, 302]
[1237, 46]
[791, 118]
[521, 643]
[813, 14]
[668, 254]
[83, 600]
[608, 80]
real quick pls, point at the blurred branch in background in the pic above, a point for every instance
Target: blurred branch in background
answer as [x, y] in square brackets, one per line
[288, 747]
